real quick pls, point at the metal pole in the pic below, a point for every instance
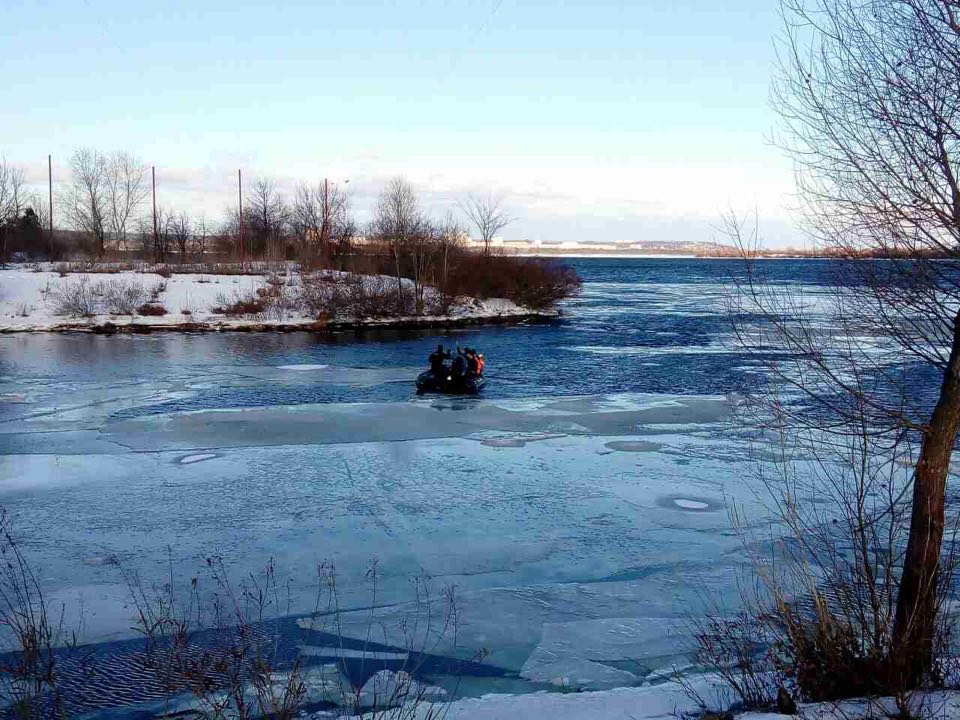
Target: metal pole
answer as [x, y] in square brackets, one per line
[50, 191]
[240, 211]
[153, 182]
[50, 200]
[325, 230]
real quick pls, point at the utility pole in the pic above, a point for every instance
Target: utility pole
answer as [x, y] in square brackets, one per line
[324, 230]
[156, 238]
[240, 211]
[50, 201]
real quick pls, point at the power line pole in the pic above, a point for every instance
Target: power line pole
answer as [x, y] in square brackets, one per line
[324, 229]
[240, 211]
[50, 200]
[156, 237]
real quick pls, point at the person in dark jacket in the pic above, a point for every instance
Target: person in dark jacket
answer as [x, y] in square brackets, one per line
[436, 360]
[473, 365]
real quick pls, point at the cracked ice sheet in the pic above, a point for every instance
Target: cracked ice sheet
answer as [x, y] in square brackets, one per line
[559, 530]
[390, 422]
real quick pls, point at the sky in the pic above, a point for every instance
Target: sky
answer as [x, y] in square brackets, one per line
[597, 121]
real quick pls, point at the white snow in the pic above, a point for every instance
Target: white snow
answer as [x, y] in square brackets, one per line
[387, 687]
[639, 703]
[667, 701]
[191, 459]
[27, 303]
[690, 504]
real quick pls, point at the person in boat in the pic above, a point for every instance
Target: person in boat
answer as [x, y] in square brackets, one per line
[458, 368]
[436, 360]
[473, 366]
[472, 361]
[480, 364]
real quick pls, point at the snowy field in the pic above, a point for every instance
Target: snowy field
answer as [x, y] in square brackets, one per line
[28, 303]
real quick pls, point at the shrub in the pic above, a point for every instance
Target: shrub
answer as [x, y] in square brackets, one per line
[240, 305]
[319, 296]
[151, 309]
[40, 642]
[76, 299]
[122, 297]
[355, 296]
[819, 612]
[532, 282]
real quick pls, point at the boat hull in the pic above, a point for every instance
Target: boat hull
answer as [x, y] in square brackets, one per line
[449, 384]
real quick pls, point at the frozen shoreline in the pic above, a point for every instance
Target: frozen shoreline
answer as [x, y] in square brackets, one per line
[109, 325]
[191, 300]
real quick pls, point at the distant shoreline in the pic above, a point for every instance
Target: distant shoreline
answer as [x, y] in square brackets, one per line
[665, 256]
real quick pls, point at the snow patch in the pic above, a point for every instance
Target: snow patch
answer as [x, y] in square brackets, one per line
[633, 445]
[192, 301]
[504, 442]
[690, 504]
[190, 459]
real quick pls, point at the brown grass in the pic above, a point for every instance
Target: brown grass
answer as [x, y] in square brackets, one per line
[151, 310]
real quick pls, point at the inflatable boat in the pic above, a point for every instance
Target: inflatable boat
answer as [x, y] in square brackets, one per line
[451, 384]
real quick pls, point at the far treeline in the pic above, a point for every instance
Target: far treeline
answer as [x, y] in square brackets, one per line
[108, 214]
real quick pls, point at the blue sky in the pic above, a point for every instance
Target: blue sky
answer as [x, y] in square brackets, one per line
[599, 120]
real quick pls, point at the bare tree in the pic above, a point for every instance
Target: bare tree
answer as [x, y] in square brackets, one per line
[13, 202]
[397, 220]
[201, 234]
[266, 216]
[157, 242]
[867, 94]
[125, 181]
[180, 230]
[450, 237]
[488, 215]
[318, 217]
[13, 192]
[87, 202]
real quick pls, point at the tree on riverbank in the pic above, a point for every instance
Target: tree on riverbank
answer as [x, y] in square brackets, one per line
[488, 215]
[104, 205]
[871, 117]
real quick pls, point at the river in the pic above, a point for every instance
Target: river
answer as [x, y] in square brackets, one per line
[580, 507]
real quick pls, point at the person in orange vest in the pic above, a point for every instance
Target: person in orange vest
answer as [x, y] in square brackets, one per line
[480, 363]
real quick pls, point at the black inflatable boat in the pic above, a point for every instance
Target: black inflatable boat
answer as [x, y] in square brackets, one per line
[451, 384]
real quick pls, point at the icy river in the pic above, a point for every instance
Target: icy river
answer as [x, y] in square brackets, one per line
[580, 507]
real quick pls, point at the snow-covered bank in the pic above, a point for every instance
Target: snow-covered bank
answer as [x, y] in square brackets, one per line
[194, 302]
[667, 701]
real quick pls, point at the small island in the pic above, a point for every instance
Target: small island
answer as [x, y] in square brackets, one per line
[272, 264]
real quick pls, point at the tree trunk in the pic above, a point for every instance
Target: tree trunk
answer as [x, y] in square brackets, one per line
[916, 615]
